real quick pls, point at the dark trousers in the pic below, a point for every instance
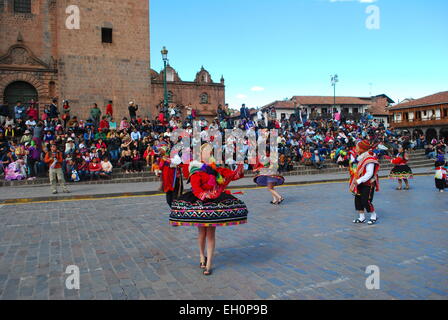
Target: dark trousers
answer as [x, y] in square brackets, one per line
[440, 184]
[32, 167]
[364, 198]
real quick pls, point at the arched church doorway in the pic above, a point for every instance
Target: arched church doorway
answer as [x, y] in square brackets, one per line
[19, 91]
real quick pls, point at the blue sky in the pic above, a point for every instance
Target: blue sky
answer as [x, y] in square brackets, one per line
[273, 49]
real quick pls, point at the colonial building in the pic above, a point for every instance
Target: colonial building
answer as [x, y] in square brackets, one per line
[324, 106]
[45, 54]
[202, 94]
[428, 115]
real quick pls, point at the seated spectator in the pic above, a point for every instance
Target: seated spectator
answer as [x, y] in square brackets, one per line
[7, 159]
[71, 171]
[112, 124]
[104, 123]
[136, 161]
[126, 160]
[69, 147]
[306, 158]
[342, 159]
[83, 170]
[289, 164]
[156, 168]
[15, 170]
[430, 152]
[317, 160]
[124, 124]
[106, 168]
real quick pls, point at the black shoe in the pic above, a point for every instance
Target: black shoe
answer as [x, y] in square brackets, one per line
[372, 222]
[359, 221]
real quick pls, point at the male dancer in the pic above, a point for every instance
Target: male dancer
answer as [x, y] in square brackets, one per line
[365, 182]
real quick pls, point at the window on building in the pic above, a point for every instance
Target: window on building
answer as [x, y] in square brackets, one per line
[204, 98]
[355, 110]
[106, 35]
[169, 75]
[22, 6]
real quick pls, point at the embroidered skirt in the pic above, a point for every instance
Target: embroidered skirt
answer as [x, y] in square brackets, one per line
[226, 210]
[263, 180]
[401, 172]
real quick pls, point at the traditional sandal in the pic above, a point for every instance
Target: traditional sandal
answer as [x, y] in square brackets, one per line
[281, 200]
[207, 272]
[359, 221]
[275, 203]
[372, 221]
[399, 188]
[203, 265]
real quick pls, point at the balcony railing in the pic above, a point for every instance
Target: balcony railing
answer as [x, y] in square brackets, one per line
[420, 122]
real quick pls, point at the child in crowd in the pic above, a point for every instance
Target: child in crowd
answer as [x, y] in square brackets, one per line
[155, 167]
[106, 168]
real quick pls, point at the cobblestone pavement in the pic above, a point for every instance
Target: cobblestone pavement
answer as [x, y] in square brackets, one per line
[307, 248]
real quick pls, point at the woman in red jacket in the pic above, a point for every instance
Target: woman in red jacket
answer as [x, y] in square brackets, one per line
[95, 168]
[208, 205]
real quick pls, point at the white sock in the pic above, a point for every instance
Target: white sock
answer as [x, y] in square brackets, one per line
[373, 216]
[362, 216]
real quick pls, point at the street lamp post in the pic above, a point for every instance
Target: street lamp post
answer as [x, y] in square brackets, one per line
[334, 80]
[165, 90]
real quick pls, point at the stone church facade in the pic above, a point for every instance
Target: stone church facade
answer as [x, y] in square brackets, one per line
[202, 94]
[42, 56]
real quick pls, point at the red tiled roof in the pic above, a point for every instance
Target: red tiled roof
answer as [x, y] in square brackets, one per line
[285, 104]
[377, 105]
[435, 99]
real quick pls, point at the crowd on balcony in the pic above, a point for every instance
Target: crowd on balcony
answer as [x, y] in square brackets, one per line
[31, 142]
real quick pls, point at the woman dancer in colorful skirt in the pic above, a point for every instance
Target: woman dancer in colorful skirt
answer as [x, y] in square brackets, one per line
[268, 177]
[401, 171]
[208, 205]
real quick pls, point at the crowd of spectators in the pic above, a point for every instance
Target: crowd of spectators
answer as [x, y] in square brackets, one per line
[92, 147]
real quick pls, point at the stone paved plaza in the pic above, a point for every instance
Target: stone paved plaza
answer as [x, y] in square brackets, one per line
[307, 248]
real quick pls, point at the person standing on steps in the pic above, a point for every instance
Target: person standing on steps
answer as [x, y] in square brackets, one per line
[53, 159]
[132, 110]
